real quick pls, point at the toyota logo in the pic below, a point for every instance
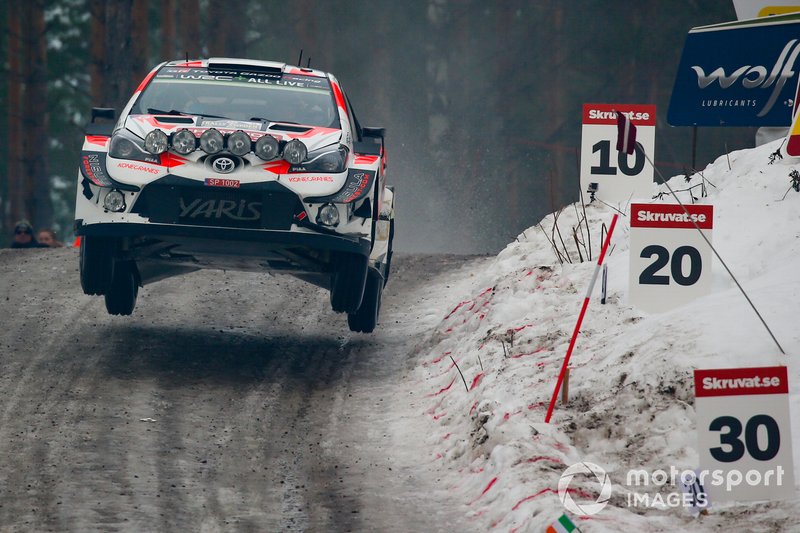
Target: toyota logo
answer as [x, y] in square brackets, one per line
[223, 165]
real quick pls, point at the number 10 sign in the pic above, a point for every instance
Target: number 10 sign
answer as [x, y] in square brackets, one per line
[618, 176]
[670, 262]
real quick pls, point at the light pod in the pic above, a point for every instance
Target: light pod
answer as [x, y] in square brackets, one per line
[239, 143]
[156, 142]
[267, 148]
[114, 201]
[295, 152]
[184, 142]
[211, 141]
[328, 215]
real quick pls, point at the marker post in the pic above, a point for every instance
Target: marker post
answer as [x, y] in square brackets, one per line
[564, 366]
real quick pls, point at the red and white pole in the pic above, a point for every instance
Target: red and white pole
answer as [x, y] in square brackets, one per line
[580, 319]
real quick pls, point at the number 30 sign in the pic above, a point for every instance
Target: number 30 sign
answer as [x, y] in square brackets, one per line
[619, 176]
[744, 433]
[670, 262]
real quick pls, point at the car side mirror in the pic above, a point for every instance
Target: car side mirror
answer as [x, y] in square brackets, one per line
[103, 112]
[375, 133]
[372, 143]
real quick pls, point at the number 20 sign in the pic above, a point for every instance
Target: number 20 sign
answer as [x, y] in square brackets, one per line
[670, 262]
[619, 176]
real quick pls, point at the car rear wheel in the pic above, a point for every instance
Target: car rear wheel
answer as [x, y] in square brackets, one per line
[366, 318]
[96, 256]
[123, 289]
[347, 285]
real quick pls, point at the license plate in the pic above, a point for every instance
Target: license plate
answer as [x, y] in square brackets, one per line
[220, 182]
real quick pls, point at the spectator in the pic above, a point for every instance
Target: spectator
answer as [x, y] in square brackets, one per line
[23, 236]
[48, 237]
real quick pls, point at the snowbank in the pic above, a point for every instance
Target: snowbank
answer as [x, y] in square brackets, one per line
[631, 398]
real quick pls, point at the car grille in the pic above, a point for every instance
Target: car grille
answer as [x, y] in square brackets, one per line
[257, 208]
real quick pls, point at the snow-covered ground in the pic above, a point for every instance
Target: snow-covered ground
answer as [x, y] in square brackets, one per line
[507, 325]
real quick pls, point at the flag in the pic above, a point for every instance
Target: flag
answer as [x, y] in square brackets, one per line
[562, 525]
[626, 134]
[793, 139]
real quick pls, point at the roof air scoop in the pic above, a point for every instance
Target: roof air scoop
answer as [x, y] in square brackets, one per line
[245, 65]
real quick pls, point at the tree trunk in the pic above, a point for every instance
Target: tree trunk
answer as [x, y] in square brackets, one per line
[190, 28]
[14, 209]
[168, 30]
[37, 181]
[305, 27]
[139, 47]
[97, 52]
[225, 28]
[119, 62]
[505, 64]
[562, 186]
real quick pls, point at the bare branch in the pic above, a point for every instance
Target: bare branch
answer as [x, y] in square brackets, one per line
[459, 373]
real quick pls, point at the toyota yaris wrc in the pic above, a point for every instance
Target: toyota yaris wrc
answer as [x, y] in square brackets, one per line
[239, 165]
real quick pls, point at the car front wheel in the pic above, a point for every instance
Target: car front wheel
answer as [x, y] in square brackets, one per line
[123, 289]
[366, 318]
[96, 256]
[347, 284]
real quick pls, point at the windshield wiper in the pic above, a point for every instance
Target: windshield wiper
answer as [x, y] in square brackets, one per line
[271, 121]
[209, 115]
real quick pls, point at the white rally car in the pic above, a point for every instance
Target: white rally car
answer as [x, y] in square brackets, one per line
[239, 165]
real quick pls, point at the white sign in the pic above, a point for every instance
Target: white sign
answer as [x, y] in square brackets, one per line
[670, 262]
[744, 433]
[617, 176]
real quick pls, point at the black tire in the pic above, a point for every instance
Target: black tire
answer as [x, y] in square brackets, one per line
[347, 283]
[366, 318]
[96, 262]
[123, 289]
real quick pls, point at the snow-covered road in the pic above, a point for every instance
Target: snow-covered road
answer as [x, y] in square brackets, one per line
[226, 402]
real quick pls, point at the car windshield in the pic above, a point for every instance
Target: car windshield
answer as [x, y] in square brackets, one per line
[294, 99]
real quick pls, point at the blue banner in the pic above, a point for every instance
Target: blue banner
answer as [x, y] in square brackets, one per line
[738, 74]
